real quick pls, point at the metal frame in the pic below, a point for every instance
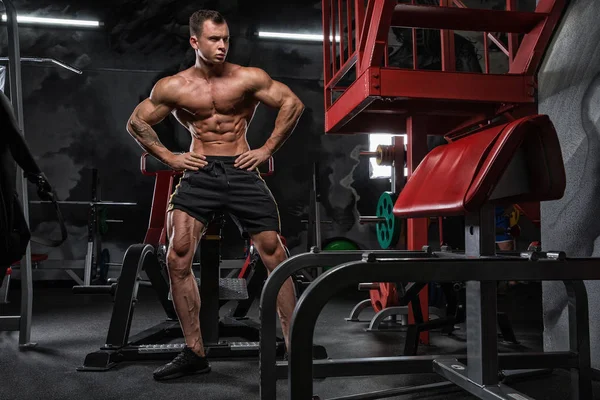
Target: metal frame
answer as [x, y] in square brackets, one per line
[477, 272]
[268, 300]
[22, 323]
[479, 267]
[147, 345]
[439, 266]
[94, 242]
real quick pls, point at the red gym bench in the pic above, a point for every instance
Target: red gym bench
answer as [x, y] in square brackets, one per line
[506, 164]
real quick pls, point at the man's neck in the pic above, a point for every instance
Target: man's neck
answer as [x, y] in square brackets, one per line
[207, 70]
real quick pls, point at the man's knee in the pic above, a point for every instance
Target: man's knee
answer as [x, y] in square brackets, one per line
[179, 260]
[269, 245]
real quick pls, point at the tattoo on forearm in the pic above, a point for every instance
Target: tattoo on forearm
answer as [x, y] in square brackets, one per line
[145, 136]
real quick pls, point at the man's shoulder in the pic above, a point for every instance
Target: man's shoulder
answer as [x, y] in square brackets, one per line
[170, 87]
[254, 77]
[251, 72]
[173, 82]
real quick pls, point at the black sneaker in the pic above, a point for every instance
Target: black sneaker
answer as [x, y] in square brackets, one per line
[186, 363]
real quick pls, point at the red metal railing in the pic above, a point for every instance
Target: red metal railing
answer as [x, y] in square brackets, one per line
[513, 39]
[343, 21]
[349, 28]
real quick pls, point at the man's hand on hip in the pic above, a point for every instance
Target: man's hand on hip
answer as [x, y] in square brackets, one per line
[252, 159]
[191, 161]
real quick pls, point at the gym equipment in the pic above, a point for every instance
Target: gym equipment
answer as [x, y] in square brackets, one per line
[270, 371]
[97, 221]
[388, 226]
[386, 155]
[481, 110]
[29, 172]
[216, 290]
[314, 235]
[22, 323]
[382, 295]
[314, 213]
[390, 300]
[379, 96]
[339, 244]
[5, 279]
[388, 230]
[482, 155]
[386, 318]
[46, 60]
[152, 343]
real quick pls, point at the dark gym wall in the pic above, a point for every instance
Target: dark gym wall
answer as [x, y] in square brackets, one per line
[569, 92]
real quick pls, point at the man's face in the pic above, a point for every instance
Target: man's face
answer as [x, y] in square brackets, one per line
[213, 44]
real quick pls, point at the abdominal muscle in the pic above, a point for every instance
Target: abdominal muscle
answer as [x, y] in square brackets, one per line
[219, 135]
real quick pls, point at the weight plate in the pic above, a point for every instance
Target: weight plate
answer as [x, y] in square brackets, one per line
[388, 231]
[338, 244]
[384, 296]
[102, 217]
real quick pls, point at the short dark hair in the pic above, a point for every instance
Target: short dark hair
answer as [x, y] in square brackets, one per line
[197, 20]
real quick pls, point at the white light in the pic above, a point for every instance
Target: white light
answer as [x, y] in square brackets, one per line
[295, 36]
[381, 171]
[53, 21]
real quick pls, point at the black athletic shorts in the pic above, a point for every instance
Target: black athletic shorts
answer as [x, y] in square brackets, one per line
[221, 187]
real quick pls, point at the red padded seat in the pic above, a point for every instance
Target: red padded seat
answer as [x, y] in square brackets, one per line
[515, 162]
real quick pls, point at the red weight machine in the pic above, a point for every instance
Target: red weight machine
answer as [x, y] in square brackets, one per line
[385, 99]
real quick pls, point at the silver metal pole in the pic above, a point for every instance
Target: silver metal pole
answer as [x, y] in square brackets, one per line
[87, 271]
[16, 96]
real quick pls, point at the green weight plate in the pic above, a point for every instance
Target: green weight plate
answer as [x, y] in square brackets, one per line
[102, 217]
[388, 232]
[340, 245]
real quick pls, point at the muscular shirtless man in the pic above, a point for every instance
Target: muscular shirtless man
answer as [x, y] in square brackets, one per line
[215, 101]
